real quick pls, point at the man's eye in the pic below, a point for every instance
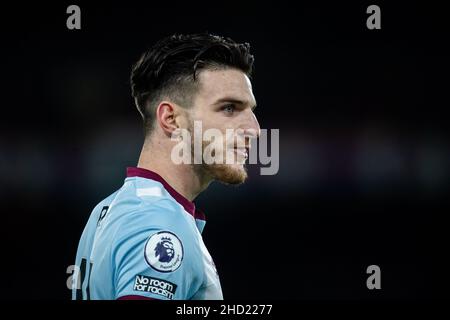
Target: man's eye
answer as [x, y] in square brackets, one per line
[229, 108]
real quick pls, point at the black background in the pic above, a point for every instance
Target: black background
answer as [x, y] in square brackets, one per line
[364, 160]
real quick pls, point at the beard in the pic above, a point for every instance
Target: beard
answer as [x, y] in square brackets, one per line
[232, 174]
[226, 173]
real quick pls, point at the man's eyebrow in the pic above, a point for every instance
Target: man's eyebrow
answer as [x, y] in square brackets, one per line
[233, 100]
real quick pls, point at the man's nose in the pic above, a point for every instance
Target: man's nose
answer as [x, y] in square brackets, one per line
[252, 129]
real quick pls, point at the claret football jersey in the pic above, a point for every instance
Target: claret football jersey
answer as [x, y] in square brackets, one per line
[144, 242]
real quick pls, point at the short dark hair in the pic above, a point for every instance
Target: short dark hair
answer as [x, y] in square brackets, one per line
[170, 69]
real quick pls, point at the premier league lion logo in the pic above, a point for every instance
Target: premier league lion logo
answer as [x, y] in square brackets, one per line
[164, 249]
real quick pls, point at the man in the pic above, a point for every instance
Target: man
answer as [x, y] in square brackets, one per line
[144, 241]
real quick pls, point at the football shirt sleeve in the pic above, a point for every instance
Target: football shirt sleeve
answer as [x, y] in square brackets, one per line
[156, 261]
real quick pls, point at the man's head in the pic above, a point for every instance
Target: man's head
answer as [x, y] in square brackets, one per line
[199, 77]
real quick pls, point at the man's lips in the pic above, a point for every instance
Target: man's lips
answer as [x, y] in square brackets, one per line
[242, 151]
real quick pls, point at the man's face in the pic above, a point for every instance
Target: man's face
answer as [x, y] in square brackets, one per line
[225, 101]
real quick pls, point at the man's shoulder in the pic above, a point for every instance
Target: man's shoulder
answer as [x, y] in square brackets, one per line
[152, 223]
[141, 207]
[147, 214]
[136, 198]
[159, 212]
[147, 201]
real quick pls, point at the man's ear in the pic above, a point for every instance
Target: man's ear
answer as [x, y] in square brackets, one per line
[165, 115]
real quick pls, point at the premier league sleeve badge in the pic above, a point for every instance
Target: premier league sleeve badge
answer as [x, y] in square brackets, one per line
[164, 251]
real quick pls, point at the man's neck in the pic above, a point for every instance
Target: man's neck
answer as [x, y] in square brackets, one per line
[183, 178]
